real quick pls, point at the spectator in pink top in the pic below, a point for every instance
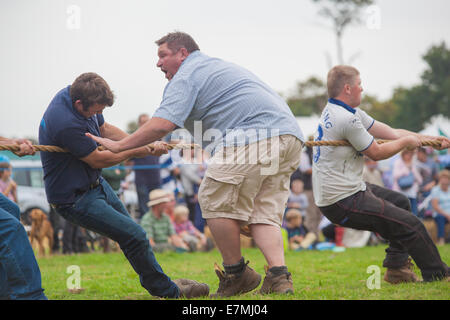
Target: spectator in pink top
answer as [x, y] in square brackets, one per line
[196, 240]
[407, 178]
[8, 186]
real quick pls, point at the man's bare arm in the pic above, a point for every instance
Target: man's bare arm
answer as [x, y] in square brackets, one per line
[381, 130]
[104, 159]
[110, 131]
[153, 130]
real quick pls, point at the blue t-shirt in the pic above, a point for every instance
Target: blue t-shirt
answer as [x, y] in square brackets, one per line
[297, 231]
[222, 104]
[63, 126]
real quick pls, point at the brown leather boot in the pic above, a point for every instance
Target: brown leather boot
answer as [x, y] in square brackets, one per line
[400, 275]
[234, 284]
[277, 283]
[191, 288]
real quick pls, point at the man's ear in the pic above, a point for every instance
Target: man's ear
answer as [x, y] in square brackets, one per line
[78, 105]
[347, 88]
[184, 53]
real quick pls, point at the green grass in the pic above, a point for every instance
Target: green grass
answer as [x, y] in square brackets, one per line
[317, 275]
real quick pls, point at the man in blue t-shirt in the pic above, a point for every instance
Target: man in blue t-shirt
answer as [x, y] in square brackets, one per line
[76, 190]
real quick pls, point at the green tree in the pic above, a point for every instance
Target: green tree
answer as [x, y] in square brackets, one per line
[384, 111]
[418, 104]
[309, 98]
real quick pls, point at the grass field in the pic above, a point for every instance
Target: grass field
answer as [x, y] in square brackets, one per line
[317, 275]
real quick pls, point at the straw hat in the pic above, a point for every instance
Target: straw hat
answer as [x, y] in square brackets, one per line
[158, 196]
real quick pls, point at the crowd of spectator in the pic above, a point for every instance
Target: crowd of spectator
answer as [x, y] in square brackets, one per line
[421, 175]
[169, 212]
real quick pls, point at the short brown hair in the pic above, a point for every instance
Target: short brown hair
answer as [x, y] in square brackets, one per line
[292, 214]
[176, 40]
[91, 89]
[338, 77]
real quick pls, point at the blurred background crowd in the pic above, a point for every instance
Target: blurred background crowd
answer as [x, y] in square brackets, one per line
[160, 193]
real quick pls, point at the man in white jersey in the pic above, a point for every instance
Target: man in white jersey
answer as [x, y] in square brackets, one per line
[346, 200]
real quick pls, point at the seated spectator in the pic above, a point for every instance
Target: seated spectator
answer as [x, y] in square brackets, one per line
[440, 201]
[297, 199]
[170, 206]
[158, 226]
[428, 168]
[298, 236]
[407, 178]
[194, 239]
[444, 160]
[191, 180]
[7, 185]
[114, 177]
[371, 172]
[328, 229]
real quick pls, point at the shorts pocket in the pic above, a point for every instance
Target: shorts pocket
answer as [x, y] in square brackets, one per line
[220, 191]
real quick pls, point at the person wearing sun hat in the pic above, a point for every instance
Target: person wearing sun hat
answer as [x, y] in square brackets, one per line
[158, 225]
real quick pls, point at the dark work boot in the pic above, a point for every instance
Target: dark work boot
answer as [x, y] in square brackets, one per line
[277, 282]
[238, 283]
[402, 274]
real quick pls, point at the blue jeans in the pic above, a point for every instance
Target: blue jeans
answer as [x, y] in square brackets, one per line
[441, 221]
[101, 211]
[20, 277]
[414, 208]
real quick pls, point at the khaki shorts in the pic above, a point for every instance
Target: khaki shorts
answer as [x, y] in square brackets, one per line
[250, 183]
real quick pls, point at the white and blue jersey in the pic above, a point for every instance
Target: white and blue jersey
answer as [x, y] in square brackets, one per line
[337, 171]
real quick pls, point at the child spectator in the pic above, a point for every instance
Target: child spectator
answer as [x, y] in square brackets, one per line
[371, 172]
[297, 199]
[7, 185]
[440, 201]
[195, 240]
[158, 226]
[298, 236]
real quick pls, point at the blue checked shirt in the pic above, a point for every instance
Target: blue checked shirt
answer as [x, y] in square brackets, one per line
[220, 103]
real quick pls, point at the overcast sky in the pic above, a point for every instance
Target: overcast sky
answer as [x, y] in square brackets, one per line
[46, 44]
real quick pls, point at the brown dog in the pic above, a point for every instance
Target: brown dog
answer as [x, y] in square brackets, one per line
[41, 228]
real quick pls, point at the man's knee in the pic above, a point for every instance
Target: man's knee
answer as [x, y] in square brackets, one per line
[135, 239]
[403, 202]
[11, 229]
